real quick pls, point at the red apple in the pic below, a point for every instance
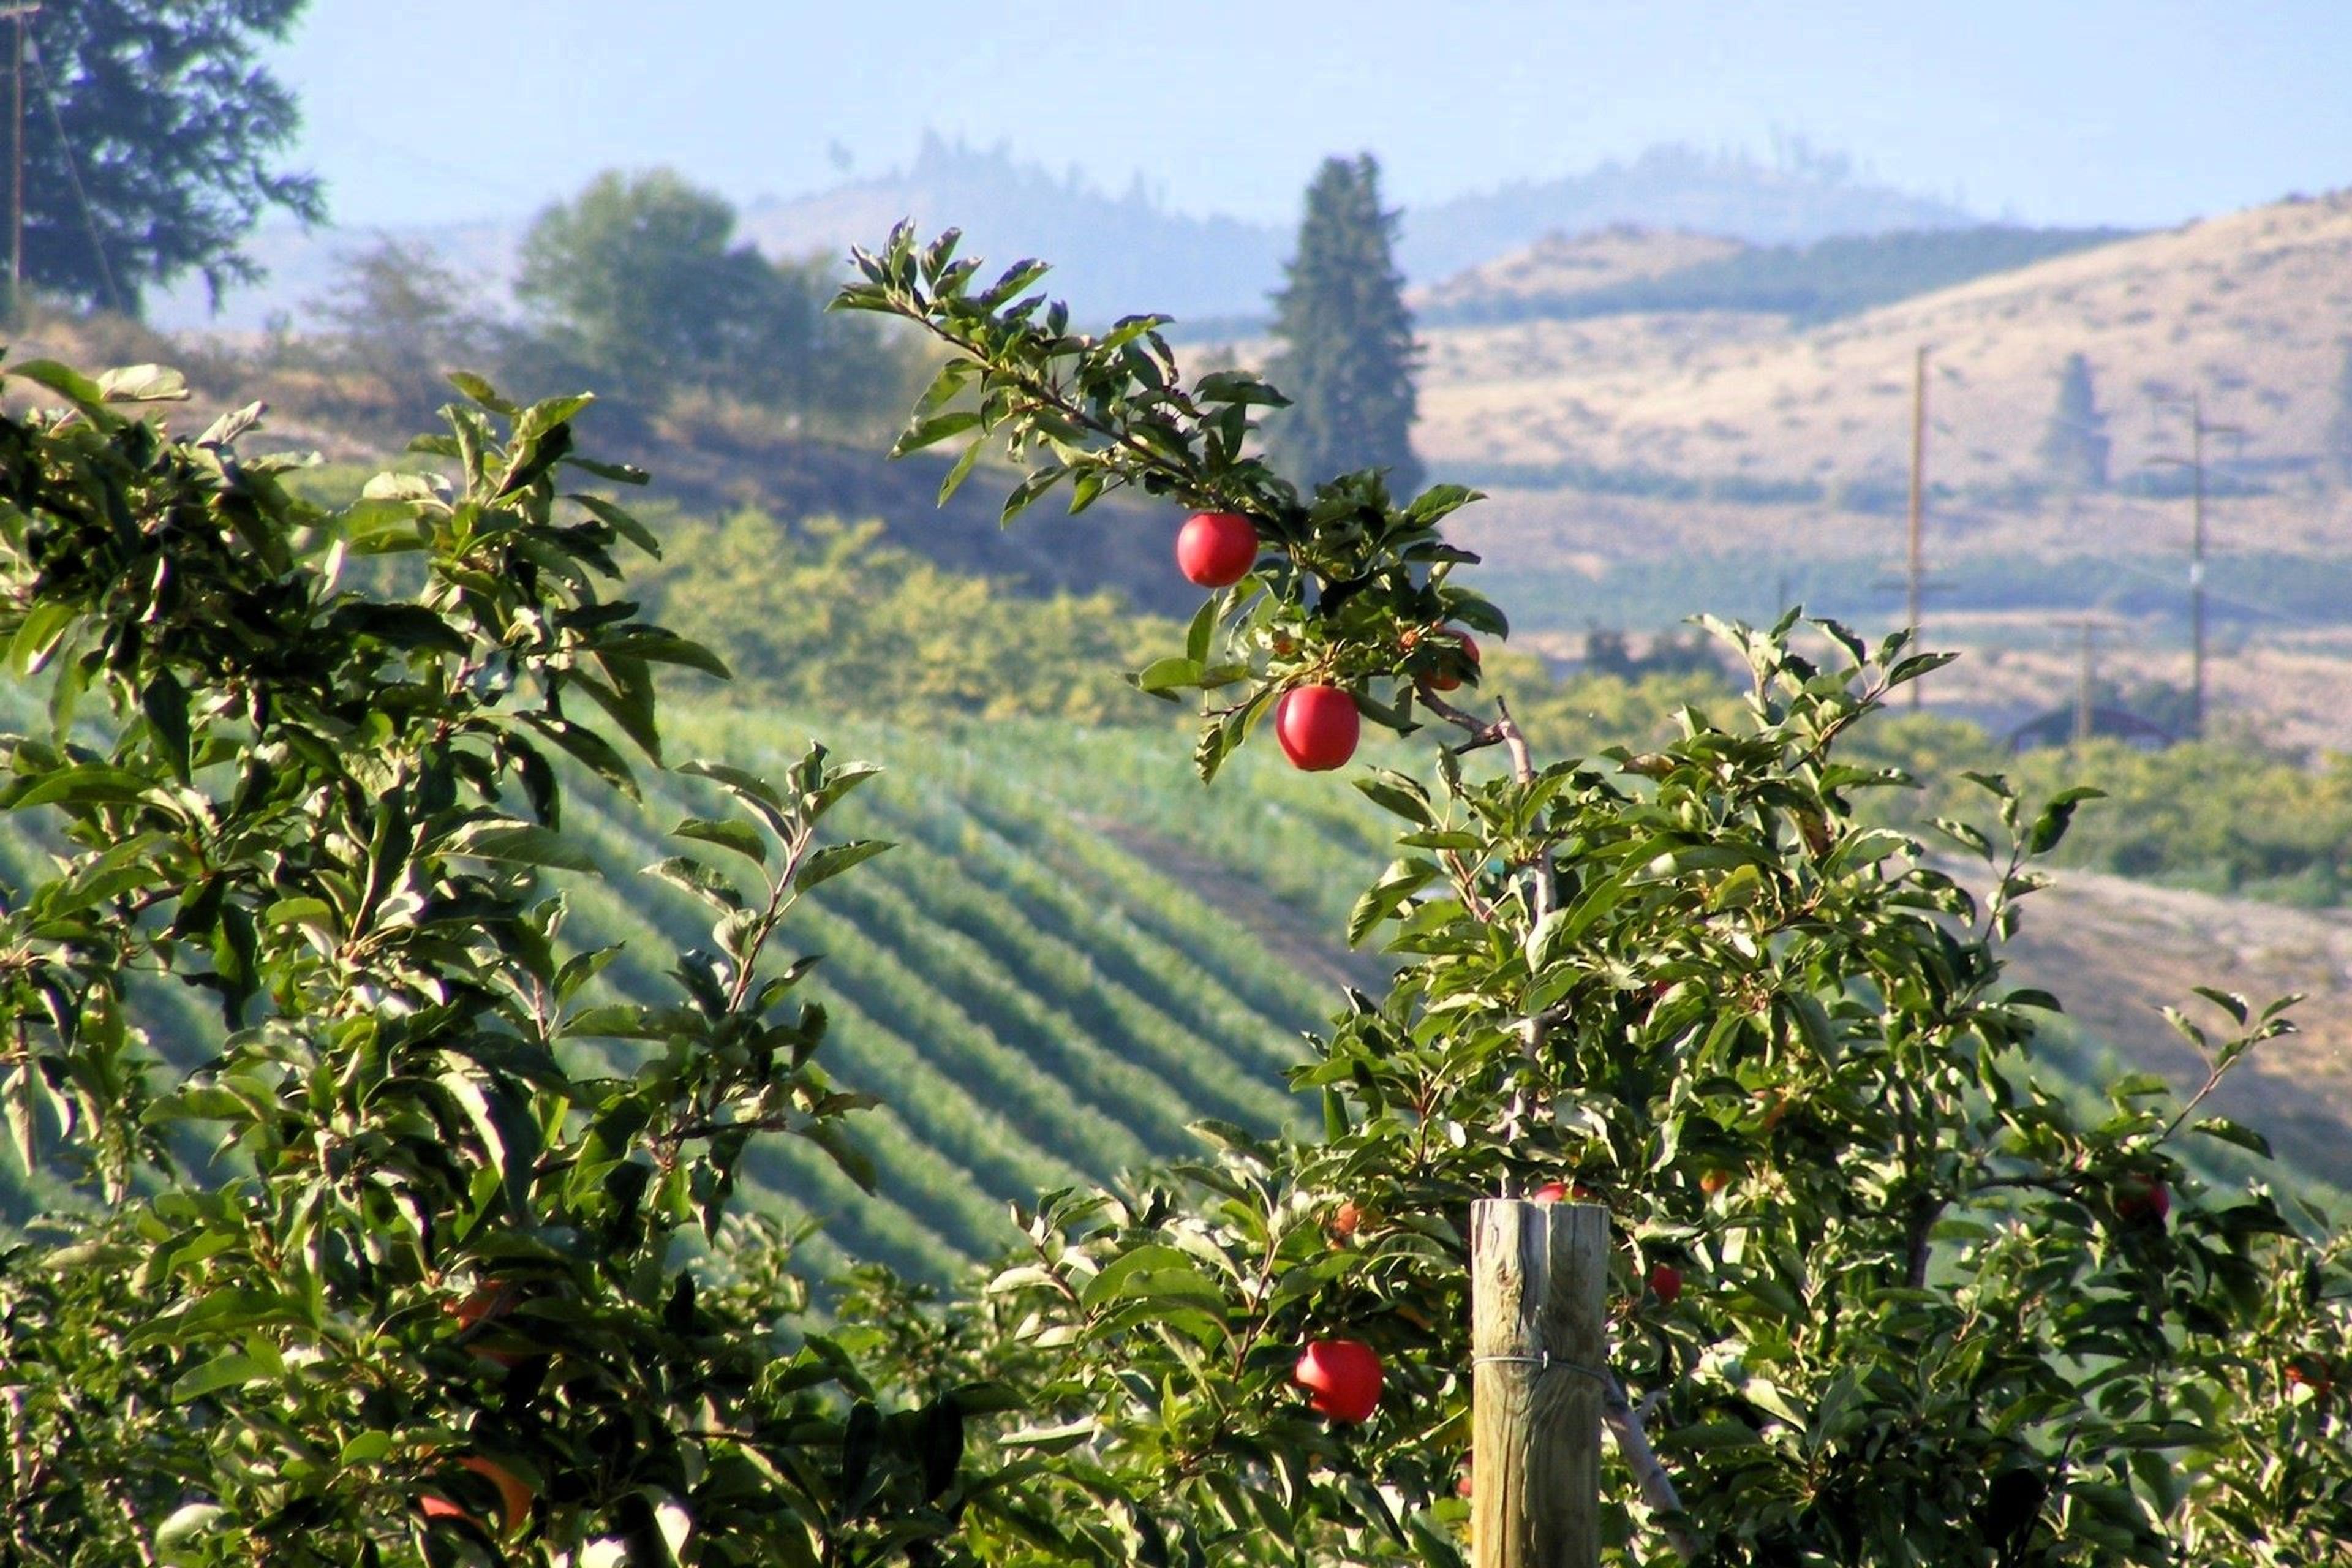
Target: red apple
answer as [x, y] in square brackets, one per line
[1714, 1182]
[1318, 726]
[1461, 1488]
[1346, 1219]
[487, 1302]
[1445, 680]
[2310, 1372]
[1665, 1283]
[1342, 1375]
[1216, 549]
[514, 1497]
[2142, 1200]
[1549, 1193]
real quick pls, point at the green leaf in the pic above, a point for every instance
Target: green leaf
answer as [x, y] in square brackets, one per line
[233, 1370]
[525, 843]
[165, 703]
[741, 836]
[2230, 1131]
[833, 859]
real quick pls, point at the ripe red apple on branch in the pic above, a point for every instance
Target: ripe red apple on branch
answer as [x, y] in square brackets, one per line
[1342, 1377]
[1216, 549]
[1319, 727]
[1665, 1283]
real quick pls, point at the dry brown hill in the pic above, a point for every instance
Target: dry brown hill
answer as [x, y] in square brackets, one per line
[1558, 265]
[2252, 310]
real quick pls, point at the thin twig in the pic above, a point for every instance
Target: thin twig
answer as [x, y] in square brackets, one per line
[1626, 1425]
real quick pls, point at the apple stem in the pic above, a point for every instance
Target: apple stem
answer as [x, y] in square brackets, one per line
[1626, 1425]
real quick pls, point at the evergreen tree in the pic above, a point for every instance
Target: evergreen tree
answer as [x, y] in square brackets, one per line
[1347, 355]
[2339, 428]
[150, 130]
[2075, 443]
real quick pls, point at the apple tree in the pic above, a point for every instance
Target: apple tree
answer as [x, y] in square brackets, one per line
[1886, 1287]
[426, 1251]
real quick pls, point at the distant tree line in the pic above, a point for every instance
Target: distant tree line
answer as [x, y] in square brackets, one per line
[637, 286]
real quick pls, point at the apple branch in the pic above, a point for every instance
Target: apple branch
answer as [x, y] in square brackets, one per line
[1626, 1426]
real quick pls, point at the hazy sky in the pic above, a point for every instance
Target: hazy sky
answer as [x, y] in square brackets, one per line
[2139, 111]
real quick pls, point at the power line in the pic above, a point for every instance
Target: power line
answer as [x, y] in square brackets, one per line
[17, 15]
[73, 177]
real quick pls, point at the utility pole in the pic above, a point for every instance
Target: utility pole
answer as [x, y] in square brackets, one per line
[2195, 463]
[2085, 672]
[17, 16]
[1913, 560]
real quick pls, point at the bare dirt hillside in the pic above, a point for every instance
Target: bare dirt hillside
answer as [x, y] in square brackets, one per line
[2252, 310]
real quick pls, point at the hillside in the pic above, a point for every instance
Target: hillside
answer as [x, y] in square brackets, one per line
[1121, 251]
[2249, 310]
[1038, 1001]
[1802, 195]
[1623, 270]
[1565, 266]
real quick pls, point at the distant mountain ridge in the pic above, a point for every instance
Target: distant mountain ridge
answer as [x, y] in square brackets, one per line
[1114, 253]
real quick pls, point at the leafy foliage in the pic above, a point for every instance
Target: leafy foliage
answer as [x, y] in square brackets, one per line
[1937, 1314]
[637, 284]
[154, 123]
[381, 1279]
[1347, 349]
[825, 616]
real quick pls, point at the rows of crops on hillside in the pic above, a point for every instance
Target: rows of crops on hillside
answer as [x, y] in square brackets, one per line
[1037, 1003]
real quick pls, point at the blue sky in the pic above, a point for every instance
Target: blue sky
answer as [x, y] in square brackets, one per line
[2136, 112]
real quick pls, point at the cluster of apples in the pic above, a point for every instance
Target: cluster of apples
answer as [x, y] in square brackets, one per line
[1318, 725]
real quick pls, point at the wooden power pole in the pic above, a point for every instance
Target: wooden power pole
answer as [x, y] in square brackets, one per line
[1914, 562]
[1539, 1274]
[2195, 463]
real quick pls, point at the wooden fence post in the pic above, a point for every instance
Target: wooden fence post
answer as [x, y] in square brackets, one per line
[1539, 1278]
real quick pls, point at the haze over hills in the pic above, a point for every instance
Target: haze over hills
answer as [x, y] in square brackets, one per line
[1115, 253]
[2249, 310]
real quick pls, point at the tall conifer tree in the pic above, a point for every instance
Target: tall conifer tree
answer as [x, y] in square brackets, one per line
[2076, 443]
[1347, 355]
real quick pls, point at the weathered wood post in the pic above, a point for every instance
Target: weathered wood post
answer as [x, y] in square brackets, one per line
[1538, 1276]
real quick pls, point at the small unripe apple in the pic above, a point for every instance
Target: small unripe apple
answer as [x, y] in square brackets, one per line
[1319, 727]
[1447, 680]
[1216, 549]
[1665, 1283]
[2142, 1200]
[1342, 1376]
[514, 1497]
